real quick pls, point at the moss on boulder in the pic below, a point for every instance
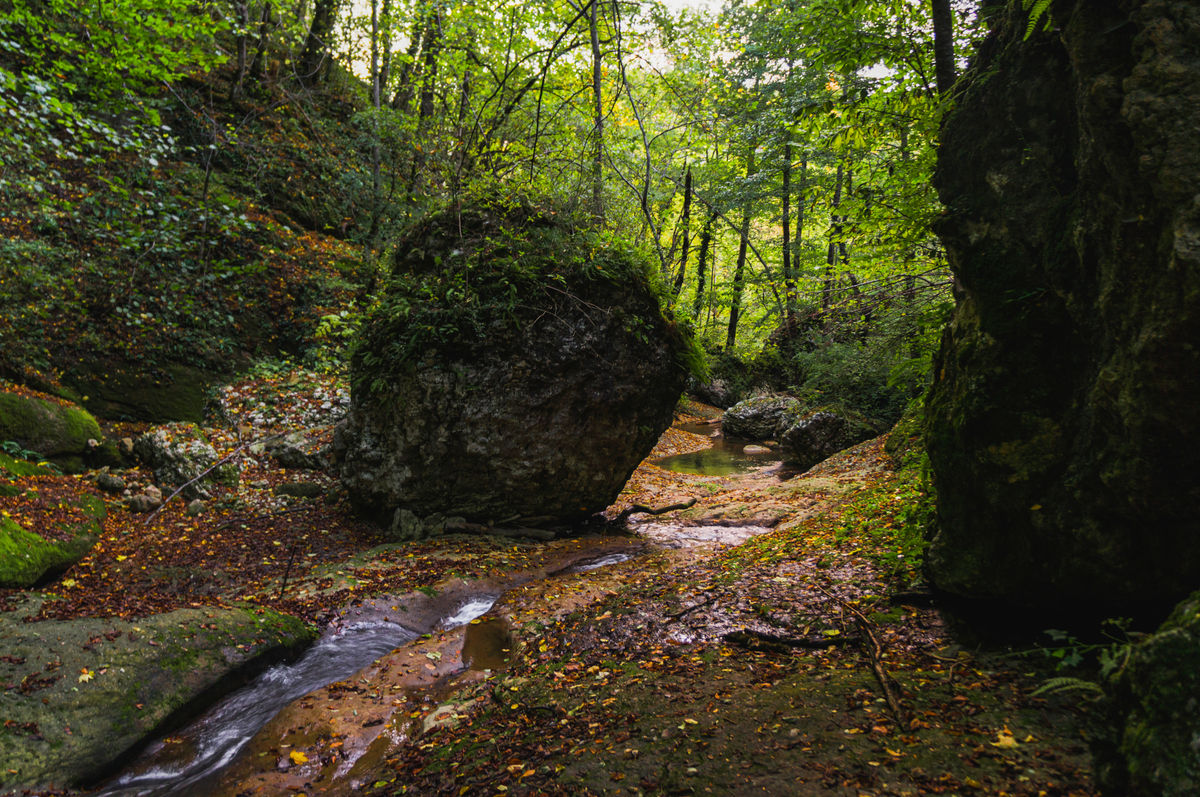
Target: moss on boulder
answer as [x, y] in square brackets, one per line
[761, 417]
[520, 366]
[27, 558]
[1153, 743]
[87, 692]
[54, 429]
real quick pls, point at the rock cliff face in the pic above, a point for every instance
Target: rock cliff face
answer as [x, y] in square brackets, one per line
[1064, 422]
[518, 370]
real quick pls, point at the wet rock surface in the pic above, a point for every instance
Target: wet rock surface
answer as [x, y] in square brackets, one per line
[1063, 426]
[80, 693]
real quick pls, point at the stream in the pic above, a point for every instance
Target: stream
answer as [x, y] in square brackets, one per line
[216, 739]
[191, 761]
[726, 457]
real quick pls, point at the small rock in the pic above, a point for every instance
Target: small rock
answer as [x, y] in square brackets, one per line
[126, 446]
[195, 507]
[753, 449]
[110, 483]
[143, 503]
[154, 494]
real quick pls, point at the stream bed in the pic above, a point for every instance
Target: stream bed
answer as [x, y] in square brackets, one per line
[204, 748]
[726, 457]
[194, 760]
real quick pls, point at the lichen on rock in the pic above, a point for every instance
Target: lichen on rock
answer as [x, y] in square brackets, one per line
[519, 367]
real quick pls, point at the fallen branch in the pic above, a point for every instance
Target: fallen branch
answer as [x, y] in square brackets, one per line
[874, 651]
[228, 457]
[747, 638]
[621, 518]
[691, 608]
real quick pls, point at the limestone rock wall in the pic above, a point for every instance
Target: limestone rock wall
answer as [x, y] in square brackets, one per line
[1064, 421]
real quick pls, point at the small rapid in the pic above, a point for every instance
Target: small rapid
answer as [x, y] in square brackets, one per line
[211, 743]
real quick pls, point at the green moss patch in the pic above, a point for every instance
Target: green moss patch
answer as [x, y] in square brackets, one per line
[47, 427]
[26, 557]
[464, 274]
[81, 693]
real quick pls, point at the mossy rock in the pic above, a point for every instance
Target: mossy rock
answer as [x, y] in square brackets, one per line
[520, 366]
[47, 427]
[94, 689]
[169, 392]
[27, 558]
[761, 417]
[1154, 711]
[23, 467]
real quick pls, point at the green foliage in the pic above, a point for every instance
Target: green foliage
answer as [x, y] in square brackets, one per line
[468, 272]
[895, 519]
[1038, 9]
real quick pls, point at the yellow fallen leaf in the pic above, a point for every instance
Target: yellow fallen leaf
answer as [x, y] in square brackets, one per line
[85, 675]
[298, 757]
[1005, 740]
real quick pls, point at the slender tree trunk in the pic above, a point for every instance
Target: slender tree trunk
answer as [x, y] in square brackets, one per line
[789, 279]
[702, 263]
[410, 70]
[598, 113]
[687, 220]
[432, 46]
[314, 60]
[385, 66]
[943, 45]
[243, 20]
[739, 272]
[835, 236]
[258, 65]
[798, 239]
[376, 149]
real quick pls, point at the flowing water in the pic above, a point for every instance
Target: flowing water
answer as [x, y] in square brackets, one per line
[216, 739]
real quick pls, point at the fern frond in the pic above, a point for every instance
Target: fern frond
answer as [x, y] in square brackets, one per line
[1053, 686]
[1037, 9]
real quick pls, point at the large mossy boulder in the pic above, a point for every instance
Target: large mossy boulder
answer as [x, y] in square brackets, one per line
[761, 417]
[819, 434]
[86, 692]
[518, 368]
[53, 428]
[1064, 421]
[1153, 741]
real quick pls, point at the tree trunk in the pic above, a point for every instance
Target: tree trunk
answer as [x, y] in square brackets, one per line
[792, 299]
[687, 219]
[789, 280]
[410, 70]
[943, 45]
[835, 239]
[258, 65]
[702, 263]
[739, 272]
[598, 112]
[314, 59]
[243, 21]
